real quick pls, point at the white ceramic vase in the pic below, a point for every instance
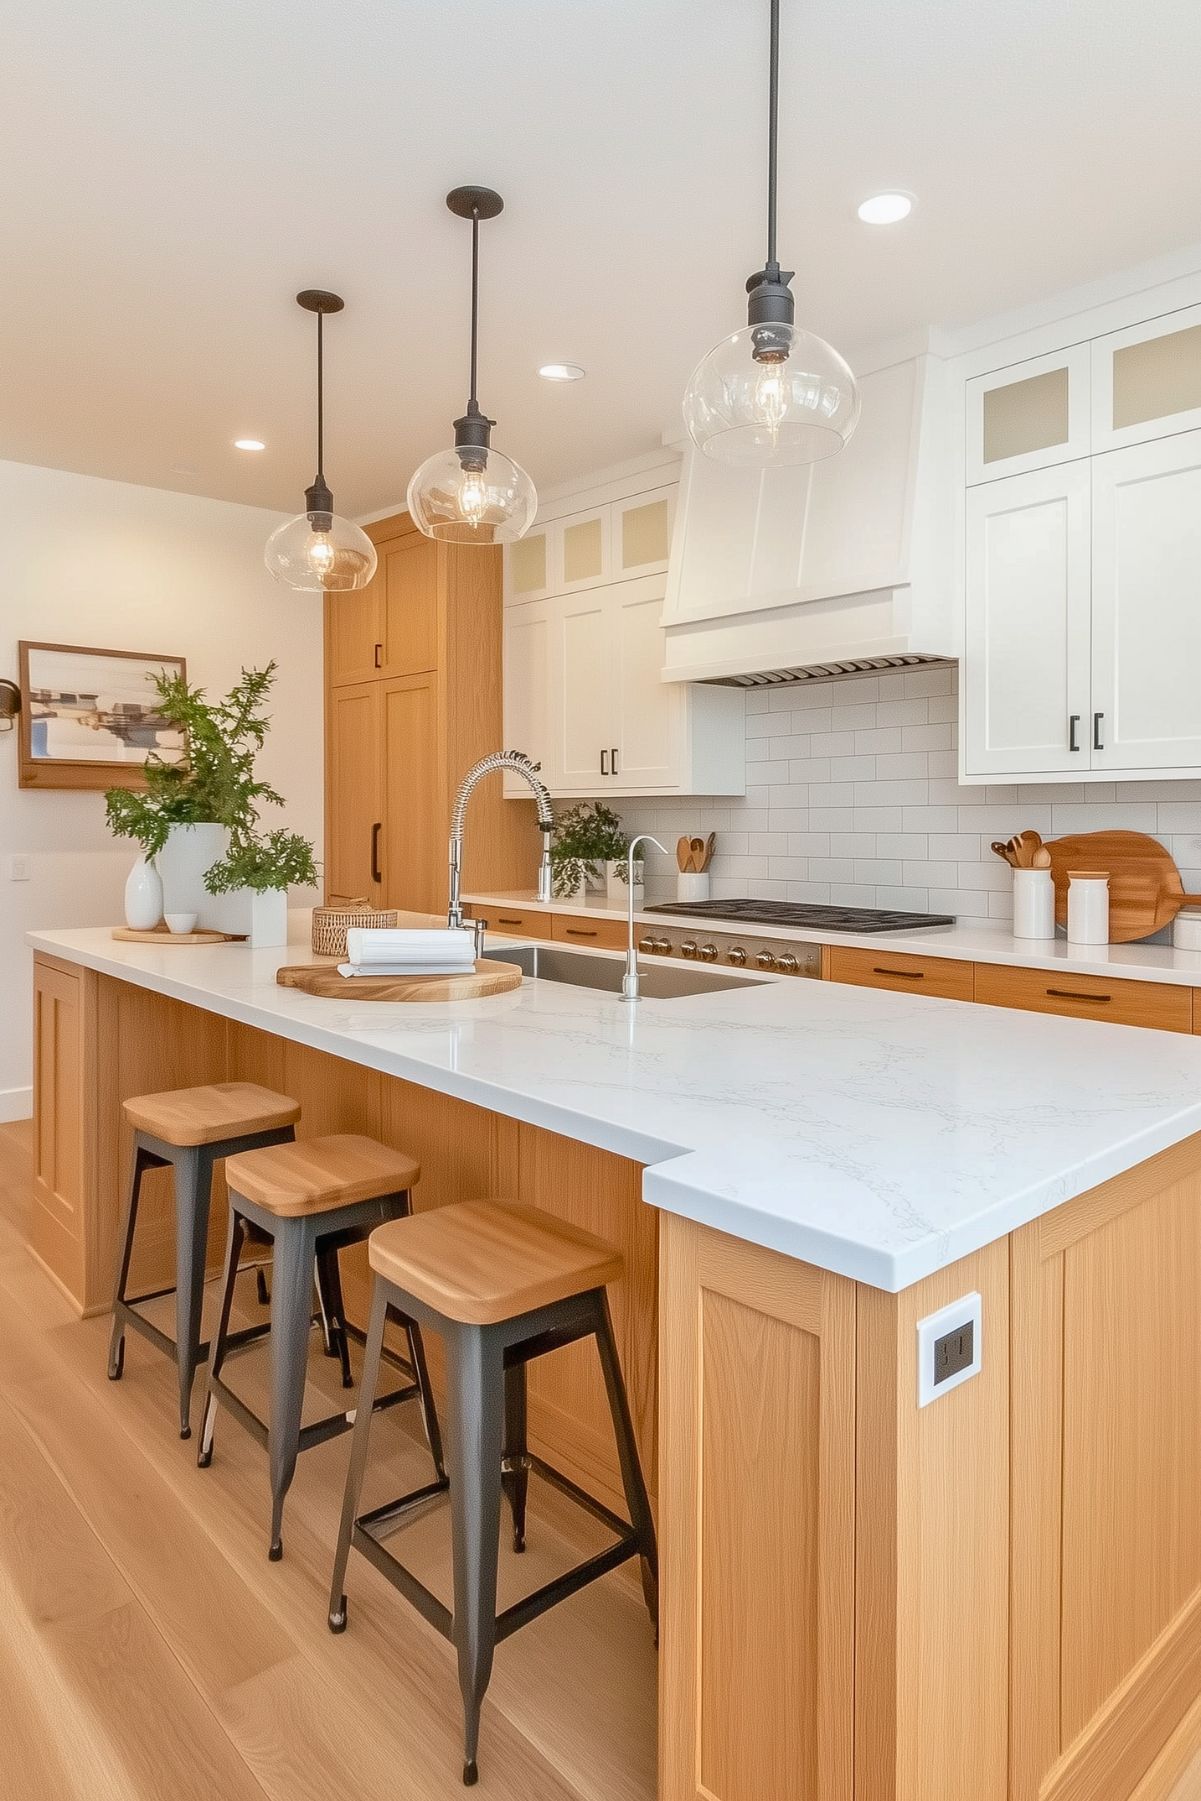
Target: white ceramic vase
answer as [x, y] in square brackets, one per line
[617, 889]
[143, 897]
[268, 918]
[183, 862]
[1033, 904]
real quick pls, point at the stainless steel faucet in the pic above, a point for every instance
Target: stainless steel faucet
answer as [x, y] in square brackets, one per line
[523, 766]
[629, 982]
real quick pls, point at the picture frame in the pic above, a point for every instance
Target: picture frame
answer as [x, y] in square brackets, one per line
[87, 715]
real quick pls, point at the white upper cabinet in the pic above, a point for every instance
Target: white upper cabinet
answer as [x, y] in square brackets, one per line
[1029, 416]
[641, 528]
[1146, 606]
[528, 688]
[1026, 654]
[1147, 381]
[615, 541]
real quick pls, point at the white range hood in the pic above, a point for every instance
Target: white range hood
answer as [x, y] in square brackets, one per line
[793, 574]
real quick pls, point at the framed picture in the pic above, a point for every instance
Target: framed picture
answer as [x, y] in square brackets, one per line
[88, 717]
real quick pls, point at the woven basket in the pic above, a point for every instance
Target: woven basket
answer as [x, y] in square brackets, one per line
[331, 924]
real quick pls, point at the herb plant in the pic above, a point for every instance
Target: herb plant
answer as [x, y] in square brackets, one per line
[586, 835]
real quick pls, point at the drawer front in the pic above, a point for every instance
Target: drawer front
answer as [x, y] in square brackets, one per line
[512, 922]
[590, 934]
[947, 978]
[1086, 997]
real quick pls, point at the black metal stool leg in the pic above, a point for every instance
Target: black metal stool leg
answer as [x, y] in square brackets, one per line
[233, 1251]
[632, 1478]
[425, 1395]
[476, 1433]
[142, 1161]
[329, 1282]
[358, 1453]
[516, 1467]
[193, 1188]
[291, 1317]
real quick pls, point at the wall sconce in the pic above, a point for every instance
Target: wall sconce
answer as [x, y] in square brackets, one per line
[10, 705]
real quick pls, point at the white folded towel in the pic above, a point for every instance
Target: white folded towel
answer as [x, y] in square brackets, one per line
[410, 951]
[405, 969]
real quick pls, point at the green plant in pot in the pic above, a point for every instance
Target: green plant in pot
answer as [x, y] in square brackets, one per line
[589, 841]
[197, 817]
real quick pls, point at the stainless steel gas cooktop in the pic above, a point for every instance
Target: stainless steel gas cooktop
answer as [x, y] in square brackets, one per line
[800, 914]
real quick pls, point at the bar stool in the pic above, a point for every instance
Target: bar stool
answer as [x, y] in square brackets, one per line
[191, 1129]
[311, 1199]
[503, 1284]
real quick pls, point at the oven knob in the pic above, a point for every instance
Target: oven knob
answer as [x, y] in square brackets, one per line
[663, 947]
[787, 964]
[647, 945]
[737, 956]
[766, 959]
[688, 948]
[708, 953]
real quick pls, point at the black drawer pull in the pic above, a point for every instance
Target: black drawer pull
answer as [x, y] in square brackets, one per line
[1097, 718]
[376, 829]
[578, 932]
[906, 975]
[1073, 726]
[502, 921]
[1069, 994]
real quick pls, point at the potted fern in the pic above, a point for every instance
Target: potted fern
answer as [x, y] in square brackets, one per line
[197, 819]
[589, 849]
[261, 868]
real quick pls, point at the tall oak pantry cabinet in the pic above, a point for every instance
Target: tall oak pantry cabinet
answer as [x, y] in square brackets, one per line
[412, 700]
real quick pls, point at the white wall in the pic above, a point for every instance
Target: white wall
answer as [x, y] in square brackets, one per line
[852, 797]
[92, 562]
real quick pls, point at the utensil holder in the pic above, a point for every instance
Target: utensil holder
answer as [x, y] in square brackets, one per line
[1034, 904]
[1088, 906]
[692, 885]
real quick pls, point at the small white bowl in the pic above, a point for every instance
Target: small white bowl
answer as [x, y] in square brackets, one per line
[180, 923]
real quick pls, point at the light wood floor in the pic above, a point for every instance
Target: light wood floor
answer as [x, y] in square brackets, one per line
[150, 1652]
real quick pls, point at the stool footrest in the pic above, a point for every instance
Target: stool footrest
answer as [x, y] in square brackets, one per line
[370, 1529]
[317, 1432]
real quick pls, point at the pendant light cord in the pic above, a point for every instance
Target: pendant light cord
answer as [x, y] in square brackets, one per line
[320, 399]
[773, 130]
[472, 402]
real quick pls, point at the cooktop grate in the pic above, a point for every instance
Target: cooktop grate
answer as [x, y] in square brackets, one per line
[801, 914]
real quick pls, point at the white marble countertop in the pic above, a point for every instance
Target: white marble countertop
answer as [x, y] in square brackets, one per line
[974, 943]
[875, 1134]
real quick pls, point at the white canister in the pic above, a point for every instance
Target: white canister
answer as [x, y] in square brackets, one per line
[183, 863]
[269, 918]
[1033, 904]
[143, 897]
[1088, 906]
[617, 891]
[1186, 933]
[692, 885]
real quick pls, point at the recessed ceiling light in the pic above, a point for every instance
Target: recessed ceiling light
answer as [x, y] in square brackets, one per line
[249, 444]
[886, 209]
[560, 372]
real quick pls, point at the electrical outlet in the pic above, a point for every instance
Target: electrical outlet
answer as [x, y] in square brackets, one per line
[18, 869]
[948, 1348]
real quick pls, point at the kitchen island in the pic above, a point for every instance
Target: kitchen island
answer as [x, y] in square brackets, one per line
[996, 1594]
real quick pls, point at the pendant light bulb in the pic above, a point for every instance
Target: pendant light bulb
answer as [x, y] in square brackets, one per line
[471, 493]
[771, 394]
[318, 552]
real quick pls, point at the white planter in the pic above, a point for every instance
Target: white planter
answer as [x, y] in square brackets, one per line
[692, 885]
[1033, 904]
[268, 918]
[190, 851]
[617, 890]
[143, 897]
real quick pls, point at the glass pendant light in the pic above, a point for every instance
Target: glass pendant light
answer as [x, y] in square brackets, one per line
[472, 494]
[771, 393]
[318, 552]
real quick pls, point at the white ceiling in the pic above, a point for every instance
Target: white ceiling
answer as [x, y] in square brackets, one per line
[175, 172]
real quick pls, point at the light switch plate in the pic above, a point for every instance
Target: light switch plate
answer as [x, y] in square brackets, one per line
[18, 869]
[949, 1347]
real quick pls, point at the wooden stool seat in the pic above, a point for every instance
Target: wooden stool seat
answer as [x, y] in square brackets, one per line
[481, 1262]
[317, 1175]
[212, 1114]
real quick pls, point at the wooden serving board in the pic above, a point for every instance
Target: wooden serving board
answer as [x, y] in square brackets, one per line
[1145, 889]
[161, 935]
[488, 977]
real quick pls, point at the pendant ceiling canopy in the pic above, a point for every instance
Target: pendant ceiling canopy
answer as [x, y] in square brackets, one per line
[771, 393]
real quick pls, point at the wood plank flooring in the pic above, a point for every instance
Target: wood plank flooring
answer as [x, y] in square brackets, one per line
[148, 1649]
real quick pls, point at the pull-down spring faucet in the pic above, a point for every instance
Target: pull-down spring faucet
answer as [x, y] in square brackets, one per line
[521, 765]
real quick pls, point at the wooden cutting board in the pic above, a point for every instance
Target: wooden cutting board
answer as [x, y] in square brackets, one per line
[1145, 889]
[488, 977]
[163, 935]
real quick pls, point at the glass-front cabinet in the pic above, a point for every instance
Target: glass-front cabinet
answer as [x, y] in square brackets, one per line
[1146, 381]
[1030, 416]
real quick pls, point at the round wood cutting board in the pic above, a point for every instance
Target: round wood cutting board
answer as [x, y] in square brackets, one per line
[487, 978]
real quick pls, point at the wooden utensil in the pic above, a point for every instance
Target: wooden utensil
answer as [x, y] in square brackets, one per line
[696, 861]
[1026, 843]
[1003, 851]
[1145, 889]
[487, 978]
[1041, 858]
[683, 853]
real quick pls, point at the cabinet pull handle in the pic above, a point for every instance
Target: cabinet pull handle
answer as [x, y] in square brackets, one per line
[1073, 726]
[604, 754]
[1072, 994]
[502, 921]
[379, 656]
[578, 932]
[908, 975]
[1097, 718]
[376, 829]
[613, 759]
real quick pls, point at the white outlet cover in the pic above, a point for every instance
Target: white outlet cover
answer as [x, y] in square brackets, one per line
[968, 1310]
[18, 869]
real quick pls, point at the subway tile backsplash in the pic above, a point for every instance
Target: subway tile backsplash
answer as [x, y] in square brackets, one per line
[852, 798]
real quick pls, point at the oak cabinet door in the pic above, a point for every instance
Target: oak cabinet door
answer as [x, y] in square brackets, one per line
[413, 867]
[354, 814]
[409, 575]
[1026, 663]
[354, 634]
[1146, 632]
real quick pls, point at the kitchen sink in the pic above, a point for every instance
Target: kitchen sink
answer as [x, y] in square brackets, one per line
[587, 969]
